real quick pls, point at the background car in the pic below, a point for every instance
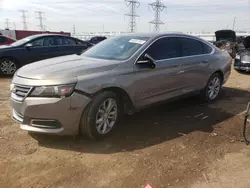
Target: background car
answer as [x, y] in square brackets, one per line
[226, 41]
[6, 40]
[242, 60]
[97, 39]
[36, 48]
[90, 92]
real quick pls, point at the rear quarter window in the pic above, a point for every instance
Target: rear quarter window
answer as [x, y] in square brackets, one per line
[206, 49]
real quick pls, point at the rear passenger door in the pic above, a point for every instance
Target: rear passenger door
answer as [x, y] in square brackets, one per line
[195, 61]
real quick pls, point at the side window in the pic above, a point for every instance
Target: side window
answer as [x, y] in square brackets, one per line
[3, 40]
[164, 48]
[69, 41]
[37, 42]
[206, 49]
[190, 47]
[45, 41]
[59, 41]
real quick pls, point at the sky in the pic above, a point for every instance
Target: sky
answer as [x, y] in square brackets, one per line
[108, 15]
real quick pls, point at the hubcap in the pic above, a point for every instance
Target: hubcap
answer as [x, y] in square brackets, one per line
[214, 88]
[106, 116]
[8, 67]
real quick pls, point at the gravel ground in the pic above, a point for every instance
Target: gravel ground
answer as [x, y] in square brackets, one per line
[179, 144]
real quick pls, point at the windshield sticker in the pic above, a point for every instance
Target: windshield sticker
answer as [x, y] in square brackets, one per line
[137, 41]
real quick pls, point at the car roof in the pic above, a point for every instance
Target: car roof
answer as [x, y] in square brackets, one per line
[156, 35]
[47, 34]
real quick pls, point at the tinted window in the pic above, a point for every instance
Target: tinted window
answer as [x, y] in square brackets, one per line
[3, 39]
[206, 49]
[69, 41]
[46, 41]
[59, 41]
[190, 47]
[164, 48]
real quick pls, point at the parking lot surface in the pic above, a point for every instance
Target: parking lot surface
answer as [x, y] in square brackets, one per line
[180, 144]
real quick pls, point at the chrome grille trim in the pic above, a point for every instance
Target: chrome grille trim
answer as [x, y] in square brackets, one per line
[20, 92]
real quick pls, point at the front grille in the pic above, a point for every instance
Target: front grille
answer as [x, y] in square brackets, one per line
[20, 92]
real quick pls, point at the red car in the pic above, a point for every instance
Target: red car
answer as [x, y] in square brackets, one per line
[6, 40]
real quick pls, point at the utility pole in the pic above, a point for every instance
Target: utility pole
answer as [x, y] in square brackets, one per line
[41, 18]
[14, 24]
[158, 7]
[234, 22]
[7, 22]
[74, 29]
[132, 4]
[24, 21]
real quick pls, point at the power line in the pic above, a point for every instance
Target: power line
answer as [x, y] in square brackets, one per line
[158, 7]
[24, 21]
[132, 4]
[7, 22]
[41, 18]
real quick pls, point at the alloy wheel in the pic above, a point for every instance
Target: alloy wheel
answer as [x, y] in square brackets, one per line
[214, 88]
[8, 67]
[106, 116]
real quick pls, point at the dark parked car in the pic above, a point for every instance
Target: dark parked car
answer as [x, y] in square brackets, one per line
[36, 48]
[226, 41]
[96, 40]
[242, 60]
[6, 40]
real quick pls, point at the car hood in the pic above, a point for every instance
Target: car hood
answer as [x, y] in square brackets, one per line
[225, 35]
[65, 67]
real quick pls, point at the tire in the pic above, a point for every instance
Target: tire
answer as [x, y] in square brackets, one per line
[8, 67]
[95, 111]
[206, 92]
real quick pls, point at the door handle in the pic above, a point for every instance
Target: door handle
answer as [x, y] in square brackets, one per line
[181, 72]
[206, 61]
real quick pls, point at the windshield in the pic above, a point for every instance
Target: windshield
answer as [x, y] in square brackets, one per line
[117, 48]
[23, 41]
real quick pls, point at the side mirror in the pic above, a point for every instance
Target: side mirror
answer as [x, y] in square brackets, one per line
[28, 45]
[148, 61]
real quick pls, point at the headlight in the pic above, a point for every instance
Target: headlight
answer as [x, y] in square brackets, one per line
[11, 87]
[237, 56]
[53, 91]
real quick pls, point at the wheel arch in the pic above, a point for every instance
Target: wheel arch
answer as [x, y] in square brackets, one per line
[125, 98]
[11, 58]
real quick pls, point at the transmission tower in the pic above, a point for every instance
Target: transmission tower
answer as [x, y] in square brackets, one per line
[158, 7]
[24, 19]
[132, 4]
[41, 18]
[7, 22]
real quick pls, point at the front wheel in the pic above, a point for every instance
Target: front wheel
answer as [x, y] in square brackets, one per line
[213, 88]
[8, 67]
[100, 116]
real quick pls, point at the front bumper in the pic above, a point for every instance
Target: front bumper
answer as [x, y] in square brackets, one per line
[50, 115]
[239, 65]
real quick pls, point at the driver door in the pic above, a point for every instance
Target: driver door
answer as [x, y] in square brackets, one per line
[165, 80]
[41, 48]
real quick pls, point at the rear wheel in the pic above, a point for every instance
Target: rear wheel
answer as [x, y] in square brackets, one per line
[8, 66]
[101, 116]
[213, 88]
